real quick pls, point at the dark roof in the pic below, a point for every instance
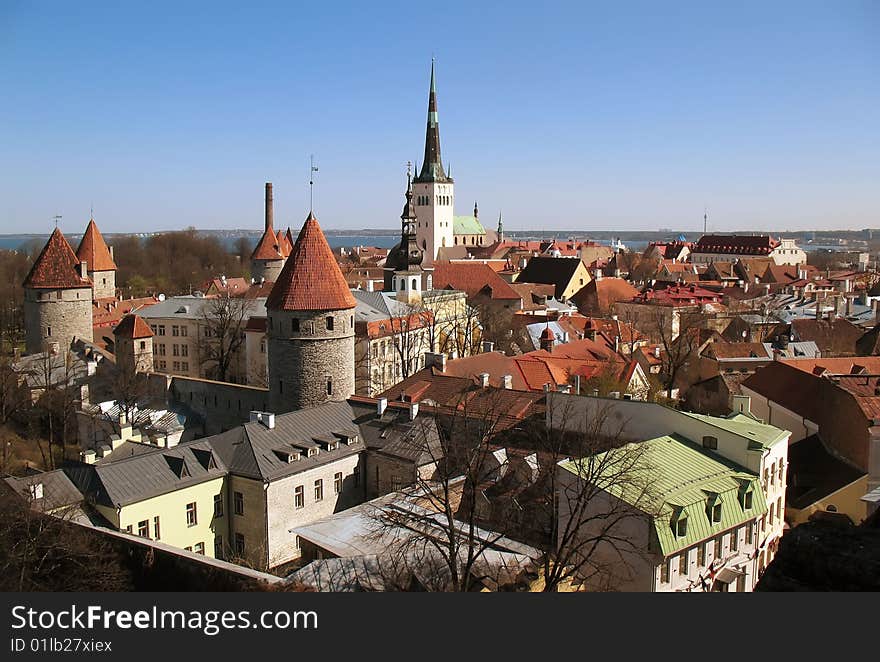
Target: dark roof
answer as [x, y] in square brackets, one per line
[311, 278]
[250, 449]
[394, 434]
[794, 389]
[735, 244]
[833, 338]
[57, 267]
[814, 473]
[869, 344]
[142, 475]
[93, 250]
[432, 166]
[556, 271]
[58, 490]
[474, 278]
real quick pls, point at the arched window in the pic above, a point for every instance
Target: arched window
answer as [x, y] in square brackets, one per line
[414, 284]
[402, 284]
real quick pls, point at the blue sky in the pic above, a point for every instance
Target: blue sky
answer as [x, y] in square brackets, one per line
[564, 115]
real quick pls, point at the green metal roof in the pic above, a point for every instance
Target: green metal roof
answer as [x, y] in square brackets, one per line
[467, 225]
[766, 436]
[683, 479]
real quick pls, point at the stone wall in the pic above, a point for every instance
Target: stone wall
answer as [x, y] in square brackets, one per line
[104, 283]
[266, 269]
[312, 365]
[56, 316]
[221, 405]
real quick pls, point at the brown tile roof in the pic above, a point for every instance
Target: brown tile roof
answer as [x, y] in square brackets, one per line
[474, 279]
[56, 268]
[735, 244]
[93, 250]
[311, 278]
[737, 350]
[133, 326]
[833, 338]
[598, 296]
[267, 248]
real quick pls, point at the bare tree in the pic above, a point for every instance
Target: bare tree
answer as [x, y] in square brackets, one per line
[221, 336]
[435, 524]
[590, 530]
[679, 341]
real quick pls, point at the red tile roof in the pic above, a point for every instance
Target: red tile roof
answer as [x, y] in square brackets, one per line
[133, 326]
[93, 250]
[57, 267]
[311, 278]
[473, 278]
[267, 248]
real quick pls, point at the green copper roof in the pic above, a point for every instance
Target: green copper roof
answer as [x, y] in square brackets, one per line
[683, 480]
[467, 225]
[763, 436]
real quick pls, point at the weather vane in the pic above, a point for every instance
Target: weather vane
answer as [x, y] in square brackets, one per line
[56, 218]
[408, 169]
[312, 170]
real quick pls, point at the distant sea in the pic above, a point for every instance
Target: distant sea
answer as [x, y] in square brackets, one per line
[18, 241]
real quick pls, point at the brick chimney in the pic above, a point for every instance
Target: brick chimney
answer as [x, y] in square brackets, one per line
[270, 207]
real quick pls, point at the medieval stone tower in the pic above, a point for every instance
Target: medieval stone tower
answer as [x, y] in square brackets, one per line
[433, 190]
[310, 327]
[268, 257]
[57, 298]
[133, 345]
[93, 250]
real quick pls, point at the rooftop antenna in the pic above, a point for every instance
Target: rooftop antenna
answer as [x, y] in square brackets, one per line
[312, 170]
[56, 218]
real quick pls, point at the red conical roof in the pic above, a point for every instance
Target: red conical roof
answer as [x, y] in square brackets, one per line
[268, 248]
[57, 267]
[311, 279]
[93, 250]
[133, 326]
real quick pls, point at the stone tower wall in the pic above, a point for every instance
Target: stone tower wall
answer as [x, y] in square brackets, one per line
[130, 356]
[103, 289]
[301, 362]
[68, 313]
[268, 269]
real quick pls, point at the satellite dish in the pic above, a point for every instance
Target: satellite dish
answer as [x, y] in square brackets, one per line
[161, 297]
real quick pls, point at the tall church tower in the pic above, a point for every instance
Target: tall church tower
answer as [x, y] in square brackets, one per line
[310, 314]
[404, 274]
[433, 190]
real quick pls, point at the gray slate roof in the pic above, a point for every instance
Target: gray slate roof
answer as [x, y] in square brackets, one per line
[192, 307]
[58, 490]
[121, 480]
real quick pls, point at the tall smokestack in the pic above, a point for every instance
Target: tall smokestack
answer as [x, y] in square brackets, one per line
[270, 213]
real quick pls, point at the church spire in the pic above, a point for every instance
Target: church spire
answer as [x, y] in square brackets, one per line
[432, 166]
[500, 228]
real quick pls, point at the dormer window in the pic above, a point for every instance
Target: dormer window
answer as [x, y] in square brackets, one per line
[679, 522]
[313, 452]
[713, 509]
[710, 442]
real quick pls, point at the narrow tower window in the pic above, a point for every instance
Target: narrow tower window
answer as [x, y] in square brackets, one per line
[294, 325]
[329, 386]
[330, 323]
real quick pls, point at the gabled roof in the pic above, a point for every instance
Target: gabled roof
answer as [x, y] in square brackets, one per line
[834, 338]
[57, 267]
[552, 270]
[93, 250]
[473, 278]
[132, 326]
[311, 278]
